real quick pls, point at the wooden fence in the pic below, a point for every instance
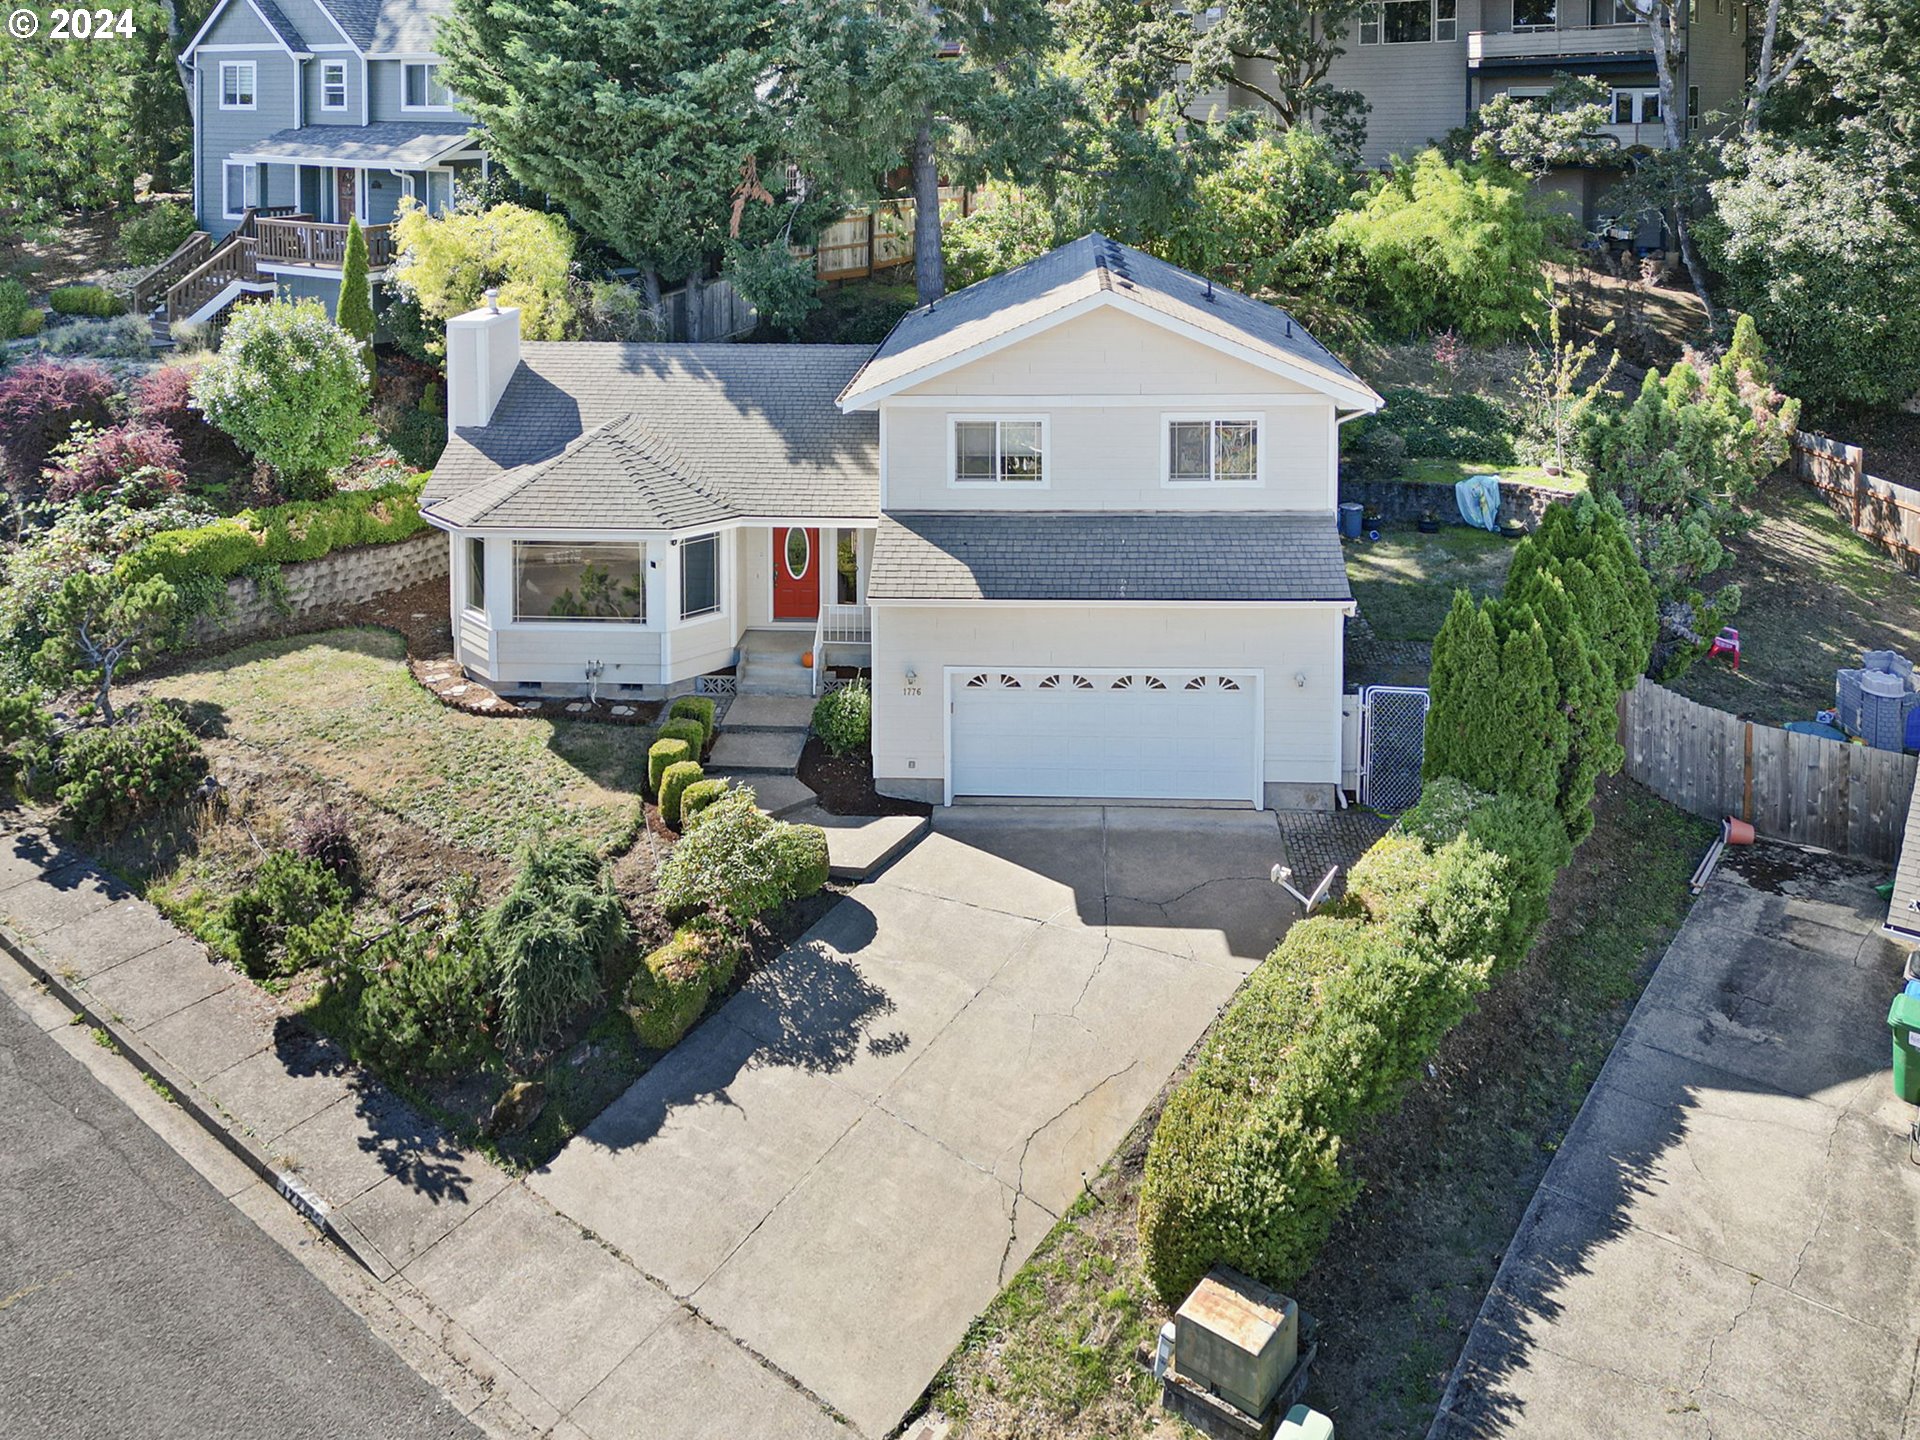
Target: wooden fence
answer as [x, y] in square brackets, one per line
[880, 238]
[1883, 512]
[1802, 788]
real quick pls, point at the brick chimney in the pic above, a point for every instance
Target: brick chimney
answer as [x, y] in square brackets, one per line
[483, 350]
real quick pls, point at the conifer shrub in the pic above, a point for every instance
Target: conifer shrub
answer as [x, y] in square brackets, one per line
[423, 1011]
[800, 860]
[697, 796]
[287, 894]
[689, 730]
[664, 753]
[671, 988]
[111, 775]
[550, 937]
[843, 719]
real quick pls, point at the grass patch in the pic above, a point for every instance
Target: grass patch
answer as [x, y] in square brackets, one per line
[342, 706]
[1813, 596]
[1452, 472]
[1446, 1179]
[1405, 581]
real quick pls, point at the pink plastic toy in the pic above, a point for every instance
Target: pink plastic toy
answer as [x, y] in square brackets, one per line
[1727, 642]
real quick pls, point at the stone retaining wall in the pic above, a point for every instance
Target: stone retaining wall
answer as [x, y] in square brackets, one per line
[1401, 501]
[346, 577]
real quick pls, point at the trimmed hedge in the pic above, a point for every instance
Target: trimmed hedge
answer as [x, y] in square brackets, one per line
[14, 306]
[671, 988]
[663, 754]
[1244, 1167]
[92, 301]
[691, 731]
[843, 719]
[735, 862]
[281, 534]
[697, 796]
[800, 861]
[697, 708]
[675, 780]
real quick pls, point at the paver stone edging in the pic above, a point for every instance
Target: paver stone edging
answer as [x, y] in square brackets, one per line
[289, 1186]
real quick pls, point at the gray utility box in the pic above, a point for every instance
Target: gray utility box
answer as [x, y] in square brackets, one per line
[1237, 1339]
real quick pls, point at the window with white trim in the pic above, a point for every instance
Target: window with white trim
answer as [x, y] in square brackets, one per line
[1636, 107]
[1408, 22]
[237, 84]
[242, 187]
[1213, 450]
[420, 88]
[700, 577]
[333, 84]
[559, 580]
[996, 451]
[477, 573]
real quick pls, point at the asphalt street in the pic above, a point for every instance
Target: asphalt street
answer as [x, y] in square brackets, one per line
[136, 1301]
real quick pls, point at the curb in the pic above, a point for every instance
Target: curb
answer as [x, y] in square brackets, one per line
[289, 1186]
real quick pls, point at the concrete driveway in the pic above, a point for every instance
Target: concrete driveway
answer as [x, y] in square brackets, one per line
[843, 1165]
[1728, 1241]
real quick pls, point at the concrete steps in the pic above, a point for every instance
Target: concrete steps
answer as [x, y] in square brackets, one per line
[770, 663]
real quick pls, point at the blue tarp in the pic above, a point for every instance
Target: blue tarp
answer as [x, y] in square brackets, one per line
[1478, 497]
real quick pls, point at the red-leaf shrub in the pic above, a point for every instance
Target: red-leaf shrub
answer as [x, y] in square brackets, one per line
[40, 403]
[111, 456]
[160, 398]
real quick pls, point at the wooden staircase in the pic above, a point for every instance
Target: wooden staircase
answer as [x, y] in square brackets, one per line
[200, 279]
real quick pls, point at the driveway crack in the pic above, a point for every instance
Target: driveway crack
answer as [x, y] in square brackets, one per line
[1020, 1172]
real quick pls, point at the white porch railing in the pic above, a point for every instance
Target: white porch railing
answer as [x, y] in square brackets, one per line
[838, 625]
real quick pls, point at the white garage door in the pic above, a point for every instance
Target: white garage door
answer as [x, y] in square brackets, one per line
[1106, 734]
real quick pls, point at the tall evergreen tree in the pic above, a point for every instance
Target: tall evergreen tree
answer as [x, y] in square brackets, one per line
[1496, 722]
[353, 312]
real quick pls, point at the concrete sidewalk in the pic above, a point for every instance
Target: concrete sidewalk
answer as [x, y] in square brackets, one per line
[570, 1337]
[1728, 1241]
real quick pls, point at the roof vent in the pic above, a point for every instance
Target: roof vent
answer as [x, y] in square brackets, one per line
[1209, 289]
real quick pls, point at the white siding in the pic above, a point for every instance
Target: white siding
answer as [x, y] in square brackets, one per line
[1109, 457]
[1302, 721]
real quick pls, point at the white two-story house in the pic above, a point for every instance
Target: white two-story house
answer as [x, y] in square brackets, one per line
[306, 114]
[1079, 519]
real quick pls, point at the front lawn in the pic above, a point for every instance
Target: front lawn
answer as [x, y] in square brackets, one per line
[1813, 596]
[1405, 581]
[1445, 1182]
[341, 707]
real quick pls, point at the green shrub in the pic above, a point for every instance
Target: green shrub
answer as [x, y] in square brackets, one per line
[13, 308]
[281, 534]
[843, 718]
[30, 324]
[289, 386]
[691, 731]
[113, 774]
[1244, 1166]
[663, 753]
[287, 894]
[698, 708]
[126, 337]
[800, 859]
[418, 438]
[424, 1011]
[724, 863]
[1437, 246]
[558, 924]
[697, 796]
[93, 301]
[155, 233]
[24, 728]
[1448, 427]
[671, 988]
[675, 780]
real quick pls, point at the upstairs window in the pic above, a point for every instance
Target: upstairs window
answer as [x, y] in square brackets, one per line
[333, 85]
[421, 88]
[1535, 14]
[1636, 106]
[1209, 450]
[1009, 451]
[236, 84]
[1409, 22]
[242, 188]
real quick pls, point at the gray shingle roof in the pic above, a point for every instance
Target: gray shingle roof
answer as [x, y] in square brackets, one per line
[959, 322]
[278, 22]
[389, 27]
[669, 435]
[968, 555]
[390, 142]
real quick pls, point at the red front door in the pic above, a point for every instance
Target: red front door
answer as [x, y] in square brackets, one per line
[796, 574]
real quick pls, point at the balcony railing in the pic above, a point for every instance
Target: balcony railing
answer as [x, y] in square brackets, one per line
[299, 240]
[1528, 42]
[839, 625]
[1650, 133]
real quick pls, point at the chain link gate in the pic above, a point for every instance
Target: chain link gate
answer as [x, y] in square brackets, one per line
[1393, 742]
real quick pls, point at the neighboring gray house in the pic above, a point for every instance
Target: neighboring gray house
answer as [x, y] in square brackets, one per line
[1425, 66]
[307, 113]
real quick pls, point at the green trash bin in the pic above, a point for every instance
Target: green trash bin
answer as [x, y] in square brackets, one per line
[1904, 1020]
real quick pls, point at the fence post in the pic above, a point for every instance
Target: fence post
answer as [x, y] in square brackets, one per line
[873, 229]
[1746, 781]
[1857, 467]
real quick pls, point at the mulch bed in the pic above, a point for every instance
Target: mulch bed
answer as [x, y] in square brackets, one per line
[845, 785]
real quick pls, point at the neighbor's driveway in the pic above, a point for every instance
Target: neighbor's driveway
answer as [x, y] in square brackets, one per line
[1728, 1242]
[844, 1164]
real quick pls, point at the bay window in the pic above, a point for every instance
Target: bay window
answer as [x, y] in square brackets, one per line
[564, 580]
[700, 577]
